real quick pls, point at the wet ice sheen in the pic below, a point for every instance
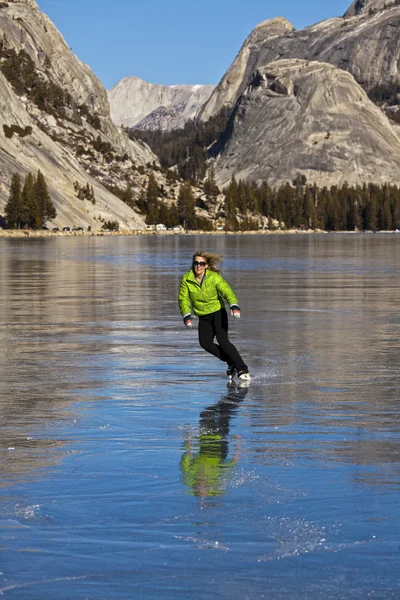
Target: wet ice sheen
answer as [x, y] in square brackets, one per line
[131, 470]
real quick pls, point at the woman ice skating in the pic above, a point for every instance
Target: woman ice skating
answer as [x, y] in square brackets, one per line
[204, 290]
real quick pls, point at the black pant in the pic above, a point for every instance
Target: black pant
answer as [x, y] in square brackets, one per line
[216, 325]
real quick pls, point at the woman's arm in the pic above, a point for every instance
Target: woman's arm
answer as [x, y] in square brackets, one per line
[184, 300]
[225, 290]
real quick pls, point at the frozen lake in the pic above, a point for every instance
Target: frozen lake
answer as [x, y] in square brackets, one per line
[129, 470]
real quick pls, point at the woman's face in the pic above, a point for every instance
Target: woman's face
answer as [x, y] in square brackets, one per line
[199, 266]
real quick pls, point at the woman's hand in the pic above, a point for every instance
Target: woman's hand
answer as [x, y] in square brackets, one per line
[235, 311]
[188, 321]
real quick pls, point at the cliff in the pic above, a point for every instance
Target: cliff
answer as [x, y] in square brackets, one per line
[44, 87]
[310, 118]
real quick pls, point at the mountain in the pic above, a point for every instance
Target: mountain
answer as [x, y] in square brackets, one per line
[365, 42]
[56, 118]
[137, 103]
[300, 101]
[310, 118]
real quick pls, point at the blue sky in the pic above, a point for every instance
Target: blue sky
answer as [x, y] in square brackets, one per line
[180, 41]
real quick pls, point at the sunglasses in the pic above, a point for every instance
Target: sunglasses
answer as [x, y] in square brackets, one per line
[197, 263]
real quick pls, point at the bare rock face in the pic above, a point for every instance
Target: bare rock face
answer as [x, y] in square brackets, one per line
[60, 168]
[162, 119]
[30, 3]
[72, 137]
[133, 100]
[237, 77]
[26, 28]
[309, 118]
[362, 6]
[366, 44]
[355, 8]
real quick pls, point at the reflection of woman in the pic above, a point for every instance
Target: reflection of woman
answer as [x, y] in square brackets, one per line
[205, 464]
[204, 290]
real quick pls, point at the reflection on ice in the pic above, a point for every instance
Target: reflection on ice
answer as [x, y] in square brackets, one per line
[206, 463]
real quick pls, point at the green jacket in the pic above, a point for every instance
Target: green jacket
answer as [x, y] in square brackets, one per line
[204, 298]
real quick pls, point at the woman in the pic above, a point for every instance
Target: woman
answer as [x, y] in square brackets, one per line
[204, 290]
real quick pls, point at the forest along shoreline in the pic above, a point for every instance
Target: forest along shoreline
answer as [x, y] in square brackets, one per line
[23, 233]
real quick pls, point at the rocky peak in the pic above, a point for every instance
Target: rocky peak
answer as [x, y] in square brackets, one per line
[26, 28]
[268, 28]
[355, 8]
[360, 7]
[367, 47]
[238, 75]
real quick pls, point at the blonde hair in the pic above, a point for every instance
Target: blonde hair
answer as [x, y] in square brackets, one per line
[211, 259]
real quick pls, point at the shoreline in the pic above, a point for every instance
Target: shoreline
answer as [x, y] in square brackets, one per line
[22, 233]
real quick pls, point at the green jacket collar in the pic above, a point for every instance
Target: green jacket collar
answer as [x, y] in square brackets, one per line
[191, 276]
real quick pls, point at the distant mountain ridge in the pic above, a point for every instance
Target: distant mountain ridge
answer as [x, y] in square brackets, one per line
[140, 104]
[292, 103]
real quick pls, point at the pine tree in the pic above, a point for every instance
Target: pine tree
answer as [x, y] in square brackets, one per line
[152, 201]
[285, 204]
[231, 206]
[173, 215]
[309, 208]
[386, 218]
[265, 197]
[186, 205]
[321, 207]
[333, 209]
[242, 196]
[128, 196]
[13, 206]
[396, 210]
[231, 202]
[142, 200]
[29, 204]
[210, 187]
[152, 189]
[371, 214]
[163, 214]
[355, 216]
[45, 208]
[253, 199]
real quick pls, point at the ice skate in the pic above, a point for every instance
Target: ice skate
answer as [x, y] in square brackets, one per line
[244, 375]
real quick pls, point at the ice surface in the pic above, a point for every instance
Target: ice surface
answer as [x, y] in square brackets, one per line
[137, 472]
